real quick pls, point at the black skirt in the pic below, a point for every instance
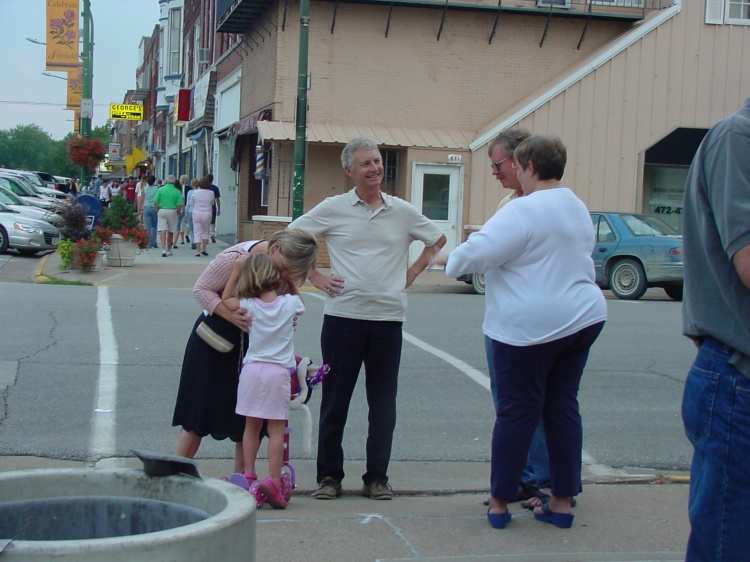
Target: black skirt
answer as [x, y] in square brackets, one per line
[208, 384]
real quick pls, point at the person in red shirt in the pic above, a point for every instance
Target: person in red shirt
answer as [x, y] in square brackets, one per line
[129, 191]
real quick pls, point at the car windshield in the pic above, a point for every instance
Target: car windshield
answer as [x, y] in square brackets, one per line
[19, 188]
[642, 225]
[32, 179]
[9, 198]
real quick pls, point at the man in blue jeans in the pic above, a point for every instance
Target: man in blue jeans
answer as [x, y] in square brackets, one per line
[536, 474]
[716, 315]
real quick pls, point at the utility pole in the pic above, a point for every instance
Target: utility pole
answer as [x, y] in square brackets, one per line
[88, 70]
[300, 141]
[87, 56]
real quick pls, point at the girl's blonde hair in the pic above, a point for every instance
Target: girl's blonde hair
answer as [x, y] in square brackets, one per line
[299, 250]
[195, 183]
[258, 276]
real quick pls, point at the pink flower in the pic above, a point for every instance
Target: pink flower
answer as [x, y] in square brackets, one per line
[56, 24]
[70, 35]
[69, 14]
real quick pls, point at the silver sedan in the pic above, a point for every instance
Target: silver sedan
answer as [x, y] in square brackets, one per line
[24, 234]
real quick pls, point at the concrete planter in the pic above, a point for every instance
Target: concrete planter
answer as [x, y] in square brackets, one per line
[121, 252]
[158, 519]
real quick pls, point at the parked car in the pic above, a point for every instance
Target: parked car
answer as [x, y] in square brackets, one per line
[632, 253]
[26, 235]
[33, 181]
[22, 190]
[48, 180]
[9, 199]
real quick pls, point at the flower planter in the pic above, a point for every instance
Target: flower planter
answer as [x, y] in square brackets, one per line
[98, 265]
[121, 252]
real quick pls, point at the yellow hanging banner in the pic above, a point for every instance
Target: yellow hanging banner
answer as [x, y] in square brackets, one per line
[62, 34]
[77, 122]
[74, 88]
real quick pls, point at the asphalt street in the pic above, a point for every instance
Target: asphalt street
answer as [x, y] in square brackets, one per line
[50, 367]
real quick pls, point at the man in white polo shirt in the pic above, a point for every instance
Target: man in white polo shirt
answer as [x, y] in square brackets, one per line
[368, 233]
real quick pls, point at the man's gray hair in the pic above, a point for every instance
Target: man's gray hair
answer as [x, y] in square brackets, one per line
[509, 139]
[360, 143]
[170, 179]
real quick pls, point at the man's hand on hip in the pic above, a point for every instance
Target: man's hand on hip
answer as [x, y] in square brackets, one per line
[329, 284]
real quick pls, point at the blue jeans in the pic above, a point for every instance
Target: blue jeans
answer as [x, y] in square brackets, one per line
[149, 223]
[716, 415]
[536, 472]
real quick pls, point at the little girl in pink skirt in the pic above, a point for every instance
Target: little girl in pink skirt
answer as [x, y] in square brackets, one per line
[264, 387]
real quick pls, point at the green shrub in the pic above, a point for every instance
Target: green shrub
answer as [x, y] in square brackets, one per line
[120, 215]
[66, 249]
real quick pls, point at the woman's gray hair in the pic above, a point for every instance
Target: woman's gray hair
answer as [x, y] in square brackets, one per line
[360, 143]
[170, 179]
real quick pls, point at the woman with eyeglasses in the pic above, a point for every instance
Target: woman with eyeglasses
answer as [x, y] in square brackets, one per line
[543, 311]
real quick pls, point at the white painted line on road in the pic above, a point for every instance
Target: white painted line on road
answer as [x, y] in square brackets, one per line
[102, 439]
[484, 381]
[477, 376]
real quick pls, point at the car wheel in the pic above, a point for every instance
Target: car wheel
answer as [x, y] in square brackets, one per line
[477, 283]
[627, 280]
[674, 292]
[3, 240]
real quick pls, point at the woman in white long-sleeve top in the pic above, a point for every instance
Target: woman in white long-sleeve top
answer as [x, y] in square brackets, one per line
[543, 312]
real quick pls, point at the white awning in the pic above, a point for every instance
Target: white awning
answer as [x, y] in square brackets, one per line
[386, 136]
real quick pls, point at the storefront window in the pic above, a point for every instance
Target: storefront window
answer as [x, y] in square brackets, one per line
[666, 189]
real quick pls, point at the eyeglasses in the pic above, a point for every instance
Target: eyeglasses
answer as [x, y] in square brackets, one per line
[496, 165]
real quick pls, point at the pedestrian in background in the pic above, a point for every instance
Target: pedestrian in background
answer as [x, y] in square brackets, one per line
[190, 233]
[202, 202]
[147, 203]
[216, 211]
[265, 386]
[105, 195]
[368, 233]
[716, 316]
[129, 190]
[168, 203]
[115, 189]
[183, 185]
[543, 311]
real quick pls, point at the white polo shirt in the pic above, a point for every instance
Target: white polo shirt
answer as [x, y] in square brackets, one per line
[369, 249]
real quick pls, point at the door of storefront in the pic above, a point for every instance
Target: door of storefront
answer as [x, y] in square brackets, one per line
[435, 193]
[226, 179]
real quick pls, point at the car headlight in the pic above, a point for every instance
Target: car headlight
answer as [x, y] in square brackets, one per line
[27, 228]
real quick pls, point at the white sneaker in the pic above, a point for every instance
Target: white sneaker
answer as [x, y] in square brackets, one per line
[164, 254]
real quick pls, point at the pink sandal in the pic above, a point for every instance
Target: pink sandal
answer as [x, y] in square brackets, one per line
[273, 493]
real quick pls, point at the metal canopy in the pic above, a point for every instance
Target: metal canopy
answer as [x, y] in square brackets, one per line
[238, 15]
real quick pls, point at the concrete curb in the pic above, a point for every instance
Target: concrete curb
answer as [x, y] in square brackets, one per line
[39, 276]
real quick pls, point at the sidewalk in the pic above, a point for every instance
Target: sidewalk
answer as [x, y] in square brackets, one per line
[438, 515]
[182, 268]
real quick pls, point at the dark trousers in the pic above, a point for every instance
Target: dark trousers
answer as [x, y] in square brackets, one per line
[539, 383]
[346, 344]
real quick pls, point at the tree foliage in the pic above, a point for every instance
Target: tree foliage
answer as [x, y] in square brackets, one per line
[29, 147]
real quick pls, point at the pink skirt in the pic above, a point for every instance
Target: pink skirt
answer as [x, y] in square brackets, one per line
[263, 391]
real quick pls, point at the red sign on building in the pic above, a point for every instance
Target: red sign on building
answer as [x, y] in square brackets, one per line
[182, 106]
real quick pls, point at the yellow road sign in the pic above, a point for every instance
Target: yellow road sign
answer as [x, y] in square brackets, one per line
[127, 111]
